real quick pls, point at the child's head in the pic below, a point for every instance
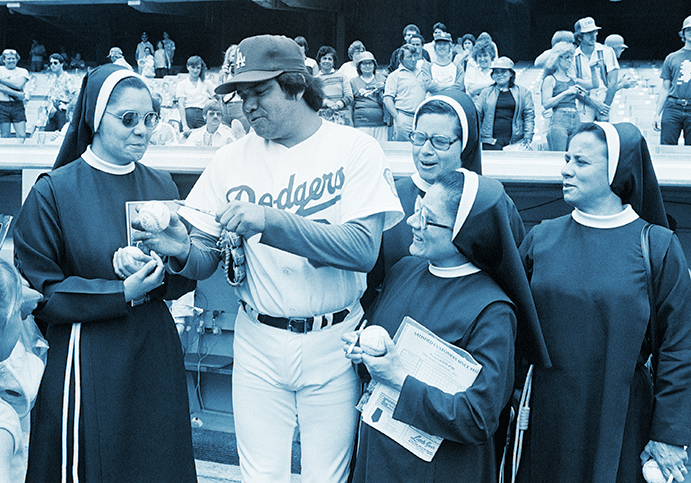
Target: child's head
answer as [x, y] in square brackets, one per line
[10, 307]
[10, 293]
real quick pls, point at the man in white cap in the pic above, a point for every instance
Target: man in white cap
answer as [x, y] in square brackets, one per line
[309, 200]
[673, 113]
[116, 57]
[595, 68]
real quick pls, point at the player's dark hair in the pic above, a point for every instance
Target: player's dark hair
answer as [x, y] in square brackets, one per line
[294, 83]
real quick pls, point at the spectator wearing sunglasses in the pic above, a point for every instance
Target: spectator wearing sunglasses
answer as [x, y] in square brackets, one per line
[110, 333]
[214, 133]
[61, 92]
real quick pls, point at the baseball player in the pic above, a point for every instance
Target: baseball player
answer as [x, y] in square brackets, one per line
[310, 200]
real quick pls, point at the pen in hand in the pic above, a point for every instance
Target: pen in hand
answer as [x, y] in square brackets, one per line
[182, 203]
[352, 346]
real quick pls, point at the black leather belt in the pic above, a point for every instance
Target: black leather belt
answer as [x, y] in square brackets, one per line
[295, 324]
[681, 102]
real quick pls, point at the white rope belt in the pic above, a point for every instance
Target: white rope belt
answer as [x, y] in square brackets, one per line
[73, 361]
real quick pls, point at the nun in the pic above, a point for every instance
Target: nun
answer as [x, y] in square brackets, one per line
[599, 412]
[445, 137]
[465, 283]
[113, 404]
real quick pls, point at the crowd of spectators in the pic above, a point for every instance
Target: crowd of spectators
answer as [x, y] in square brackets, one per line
[581, 77]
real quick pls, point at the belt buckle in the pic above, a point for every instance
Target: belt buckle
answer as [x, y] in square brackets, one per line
[300, 329]
[683, 102]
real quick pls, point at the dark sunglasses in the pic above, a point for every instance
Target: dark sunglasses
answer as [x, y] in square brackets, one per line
[131, 118]
[54, 62]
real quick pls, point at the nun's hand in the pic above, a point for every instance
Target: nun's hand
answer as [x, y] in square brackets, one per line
[145, 279]
[388, 368]
[128, 260]
[657, 123]
[173, 241]
[671, 459]
[350, 347]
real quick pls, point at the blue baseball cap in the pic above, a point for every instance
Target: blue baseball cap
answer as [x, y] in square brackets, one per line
[264, 57]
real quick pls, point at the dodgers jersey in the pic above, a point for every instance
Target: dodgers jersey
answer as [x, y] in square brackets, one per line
[337, 175]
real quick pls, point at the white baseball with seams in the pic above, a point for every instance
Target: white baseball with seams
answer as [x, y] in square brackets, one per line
[373, 340]
[154, 216]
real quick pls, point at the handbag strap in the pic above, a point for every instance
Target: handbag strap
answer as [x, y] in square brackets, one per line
[652, 323]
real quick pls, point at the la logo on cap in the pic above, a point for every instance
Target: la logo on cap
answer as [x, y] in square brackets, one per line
[240, 60]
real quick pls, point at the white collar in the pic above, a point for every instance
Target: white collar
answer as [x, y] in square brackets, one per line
[101, 165]
[419, 182]
[453, 272]
[624, 217]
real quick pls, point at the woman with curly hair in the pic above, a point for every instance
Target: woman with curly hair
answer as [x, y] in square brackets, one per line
[338, 95]
[479, 75]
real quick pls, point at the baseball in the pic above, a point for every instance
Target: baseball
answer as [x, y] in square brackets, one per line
[652, 473]
[373, 340]
[154, 216]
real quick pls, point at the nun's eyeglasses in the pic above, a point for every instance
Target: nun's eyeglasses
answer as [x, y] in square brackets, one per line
[421, 212]
[439, 141]
[130, 119]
